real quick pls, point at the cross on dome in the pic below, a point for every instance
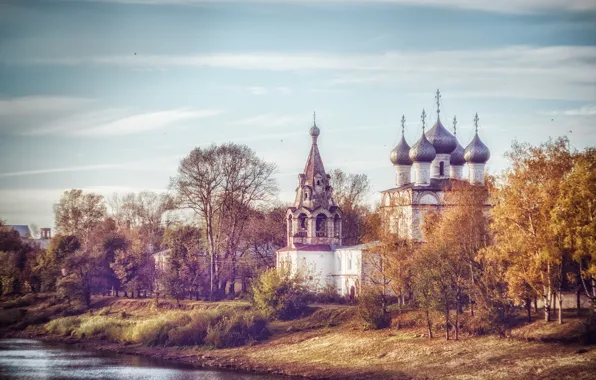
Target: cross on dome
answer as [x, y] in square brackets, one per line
[403, 124]
[476, 120]
[314, 118]
[454, 125]
[438, 99]
[423, 118]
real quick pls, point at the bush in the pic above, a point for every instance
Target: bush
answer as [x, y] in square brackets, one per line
[372, 310]
[280, 294]
[9, 317]
[237, 329]
[329, 294]
[26, 300]
[63, 326]
[97, 327]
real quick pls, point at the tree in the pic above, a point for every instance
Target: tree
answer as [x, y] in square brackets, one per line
[51, 262]
[186, 264]
[77, 213]
[149, 211]
[221, 184]
[574, 217]
[349, 191]
[521, 219]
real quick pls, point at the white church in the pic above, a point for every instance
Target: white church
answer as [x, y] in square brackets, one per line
[423, 173]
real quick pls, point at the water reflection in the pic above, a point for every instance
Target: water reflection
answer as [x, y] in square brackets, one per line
[30, 359]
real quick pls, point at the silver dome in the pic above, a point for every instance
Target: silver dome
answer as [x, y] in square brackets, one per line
[315, 131]
[476, 152]
[443, 141]
[400, 155]
[423, 150]
[457, 156]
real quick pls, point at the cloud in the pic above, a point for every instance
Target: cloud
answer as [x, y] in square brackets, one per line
[555, 72]
[501, 6]
[270, 120]
[587, 110]
[58, 170]
[40, 105]
[258, 90]
[108, 122]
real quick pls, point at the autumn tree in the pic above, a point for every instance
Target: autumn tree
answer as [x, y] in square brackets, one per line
[521, 219]
[574, 217]
[221, 184]
[77, 213]
[186, 263]
[350, 191]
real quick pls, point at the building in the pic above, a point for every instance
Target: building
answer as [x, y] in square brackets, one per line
[423, 173]
[27, 237]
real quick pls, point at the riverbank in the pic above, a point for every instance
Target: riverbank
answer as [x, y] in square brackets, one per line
[329, 343]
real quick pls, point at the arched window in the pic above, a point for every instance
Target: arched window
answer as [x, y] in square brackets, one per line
[302, 221]
[336, 225]
[321, 225]
[441, 168]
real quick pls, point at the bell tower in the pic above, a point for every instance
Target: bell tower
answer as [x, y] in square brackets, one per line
[315, 217]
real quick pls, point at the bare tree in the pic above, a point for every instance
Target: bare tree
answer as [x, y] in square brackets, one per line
[221, 184]
[77, 213]
[349, 191]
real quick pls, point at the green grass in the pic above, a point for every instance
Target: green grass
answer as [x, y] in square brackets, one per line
[219, 328]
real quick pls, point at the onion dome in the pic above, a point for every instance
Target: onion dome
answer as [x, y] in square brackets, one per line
[457, 156]
[423, 150]
[443, 141]
[400, 155]
[315, 131]
[476, 152]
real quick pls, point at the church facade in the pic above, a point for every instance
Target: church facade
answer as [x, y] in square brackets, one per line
[423, 173]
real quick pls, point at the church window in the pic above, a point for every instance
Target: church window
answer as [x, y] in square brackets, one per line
[321, 225]
[441, 168]
[350, 263]
[302, 221]
[305, 196]
[318, 182]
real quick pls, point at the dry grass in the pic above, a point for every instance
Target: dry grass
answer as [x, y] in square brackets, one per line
[330, 343]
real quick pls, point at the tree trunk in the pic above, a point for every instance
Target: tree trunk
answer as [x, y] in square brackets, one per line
[560, 308]
[578, 300]
[529, 309]
[457, 318]
[429, 325]
[536, 304]
[447, 320]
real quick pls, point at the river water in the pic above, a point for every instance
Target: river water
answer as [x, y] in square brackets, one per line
[31, 359]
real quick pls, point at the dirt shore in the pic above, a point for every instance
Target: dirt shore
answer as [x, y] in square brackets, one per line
[330, 344]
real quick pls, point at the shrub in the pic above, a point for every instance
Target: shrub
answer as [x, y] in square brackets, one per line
[236, 329]
[155, 331]
[63, 326]
[329, 294]
[279, 293]
[372, 309]
[97, 327]
[26, 300]
[9, 317]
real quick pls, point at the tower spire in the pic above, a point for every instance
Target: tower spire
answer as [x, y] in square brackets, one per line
[423, 118]
[314, 118]
[476, 119]
[403, 124]
[454, 125]
[438, 99]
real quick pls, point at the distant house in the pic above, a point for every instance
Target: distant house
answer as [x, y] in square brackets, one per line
[25, 234]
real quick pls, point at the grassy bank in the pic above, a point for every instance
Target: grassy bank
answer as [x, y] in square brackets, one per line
[328, 343]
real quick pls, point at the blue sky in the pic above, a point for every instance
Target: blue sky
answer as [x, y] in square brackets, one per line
[79, 109]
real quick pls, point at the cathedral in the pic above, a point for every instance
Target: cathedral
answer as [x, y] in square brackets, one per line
[423, 172]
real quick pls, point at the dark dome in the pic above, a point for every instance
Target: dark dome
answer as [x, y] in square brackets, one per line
[476, 152]
[400, 155]
[423, 151]
[443, 141]
[457, 156]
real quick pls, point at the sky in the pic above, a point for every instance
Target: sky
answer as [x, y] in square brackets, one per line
[108, 95]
